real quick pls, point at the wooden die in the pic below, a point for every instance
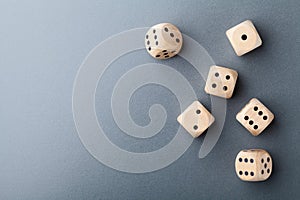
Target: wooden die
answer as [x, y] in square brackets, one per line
[255, 117]
[244, 37]
[196, 119]
[253, 165]
[163, 41]
[221, 81]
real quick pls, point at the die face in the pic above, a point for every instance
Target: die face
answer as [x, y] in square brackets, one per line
[246, 165]
[195, 119]
[171, 35]
[163, 41]
[253, 165]
[255, 117]
[265, 165]
[221, 81]
[244, 37]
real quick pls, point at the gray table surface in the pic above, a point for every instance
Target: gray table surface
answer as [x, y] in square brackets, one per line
[42, 46]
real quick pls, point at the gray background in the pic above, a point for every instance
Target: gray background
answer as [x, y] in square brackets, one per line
[42, 44]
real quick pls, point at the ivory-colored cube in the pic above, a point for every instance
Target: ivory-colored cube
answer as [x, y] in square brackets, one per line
[163, 41]
[196, 119]
[255, 117]
[253, 165]
[244, 37]
[221, 81]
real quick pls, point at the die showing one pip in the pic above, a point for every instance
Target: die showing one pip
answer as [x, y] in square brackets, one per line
[244, 37]
[163, 41]
[255, 117]
[221, 81]
[196, 119]
[253, 165]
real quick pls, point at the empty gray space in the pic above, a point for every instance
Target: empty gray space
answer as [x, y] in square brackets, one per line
[43, 43]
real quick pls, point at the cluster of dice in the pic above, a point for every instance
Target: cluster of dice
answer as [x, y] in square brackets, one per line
[164, 41]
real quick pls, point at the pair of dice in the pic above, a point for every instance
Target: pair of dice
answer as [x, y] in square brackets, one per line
[164, 41]
[254, 116]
